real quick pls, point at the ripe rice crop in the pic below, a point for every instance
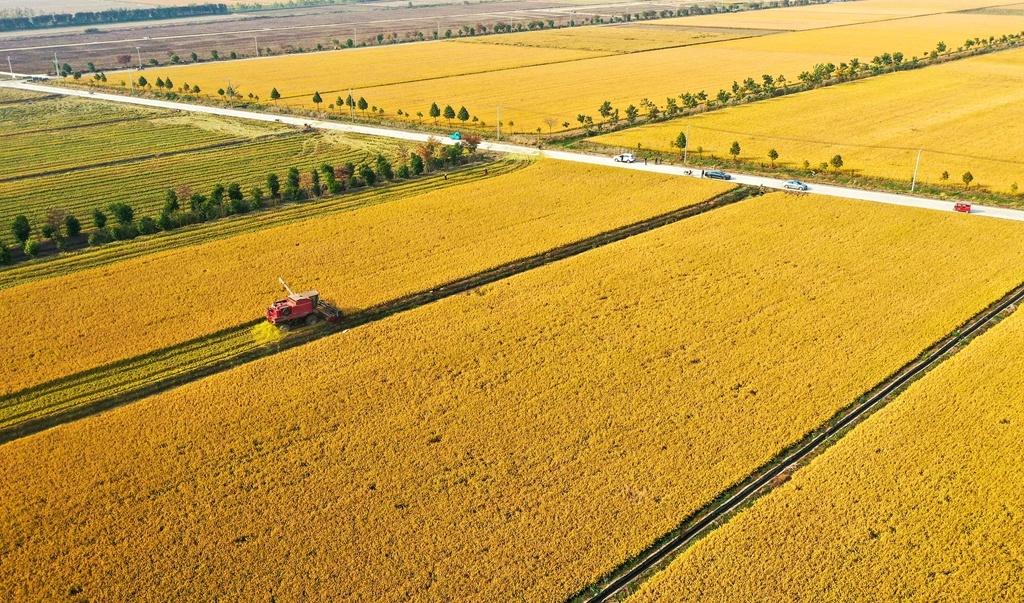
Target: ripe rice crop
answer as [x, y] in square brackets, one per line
[878, 125]
[358, 259]
[142, 184]
[529, 95]
[512, 443]
[834, 14]
[614, 39]
[333, 73]
[922, 501]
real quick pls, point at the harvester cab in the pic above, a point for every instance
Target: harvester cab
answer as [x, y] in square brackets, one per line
[300, 308]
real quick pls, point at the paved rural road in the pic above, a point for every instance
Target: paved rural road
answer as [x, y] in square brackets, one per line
[499, 147]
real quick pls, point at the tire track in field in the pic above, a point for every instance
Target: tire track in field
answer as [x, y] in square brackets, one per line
[624, 580]
[93, 391]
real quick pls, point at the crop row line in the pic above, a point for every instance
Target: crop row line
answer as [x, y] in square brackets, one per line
[625, 579]
[117, 384]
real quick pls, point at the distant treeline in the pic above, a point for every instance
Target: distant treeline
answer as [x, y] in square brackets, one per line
[118, 15]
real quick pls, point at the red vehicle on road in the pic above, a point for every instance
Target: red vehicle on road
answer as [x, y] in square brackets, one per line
[964, 208]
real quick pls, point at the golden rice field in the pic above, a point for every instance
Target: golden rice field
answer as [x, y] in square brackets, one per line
[623, 38]
[878, 125]
[297, 76]
[568, 84]
[921, 502]
[835, 14]
[358, 259]
[443, 454]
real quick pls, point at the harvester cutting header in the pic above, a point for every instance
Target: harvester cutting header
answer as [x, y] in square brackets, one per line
[301, 308]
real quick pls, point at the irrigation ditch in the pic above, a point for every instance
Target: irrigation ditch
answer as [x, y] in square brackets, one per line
[89, 392]
[625, 579]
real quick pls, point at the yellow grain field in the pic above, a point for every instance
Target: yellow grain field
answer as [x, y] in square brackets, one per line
[358, 259]
[630, 37]
[965, 116]
[834, 14]
[511, 443]
[332, 73]
[921, 502]
[530, 96]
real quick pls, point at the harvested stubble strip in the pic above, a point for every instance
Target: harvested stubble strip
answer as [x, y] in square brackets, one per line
[922, 501]
[513, 443]
[357, 259]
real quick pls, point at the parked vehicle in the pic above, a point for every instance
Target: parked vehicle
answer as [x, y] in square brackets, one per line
[964, 208]
[625, 158]
[717, 175]
[794, 185]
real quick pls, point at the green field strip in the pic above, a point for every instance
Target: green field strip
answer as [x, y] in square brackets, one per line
[50, 113]
[143, 185]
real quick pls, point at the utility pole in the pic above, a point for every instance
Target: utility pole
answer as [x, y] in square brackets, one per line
[139, 50]
[256, 43]
[499, 122]
[350, 104]
[439, 29]
[56, 65]
[9, 67]
[354, 37]
[913, 182]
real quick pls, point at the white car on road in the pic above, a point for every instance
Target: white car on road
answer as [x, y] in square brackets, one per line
[794, 185]
[625, 158]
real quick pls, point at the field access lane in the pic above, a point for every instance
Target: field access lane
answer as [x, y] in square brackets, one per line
[500, 147]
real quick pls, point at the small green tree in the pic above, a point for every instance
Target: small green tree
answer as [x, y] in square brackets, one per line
[734, 150]
[235, 192]
[5, 254]
[463, 115]
[275, 95]
[416, 163]
[435, 111]
[123, 213]
[363, 105]
[449, 114]
[317, 99]
[384, 168]
[171, 203]
[99, 218]
[773, 155]
[944, 176]
[680, 142]
[273, 186]
[143, 82]
[632, 113]
[21, 229]
[968, 178]
[31, 248]
[72, 227]
[836, 162]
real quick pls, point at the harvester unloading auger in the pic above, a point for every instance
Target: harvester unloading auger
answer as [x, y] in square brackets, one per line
[301, 308]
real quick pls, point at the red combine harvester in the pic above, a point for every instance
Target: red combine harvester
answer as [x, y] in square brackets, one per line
[964, 208]
[300, 308]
